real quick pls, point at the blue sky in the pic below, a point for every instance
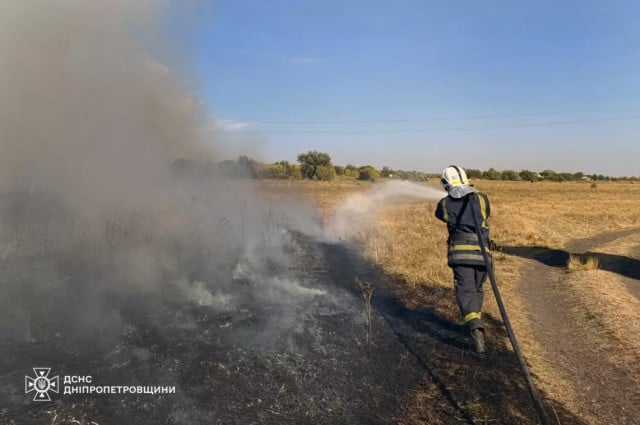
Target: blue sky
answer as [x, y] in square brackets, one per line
[422, 84]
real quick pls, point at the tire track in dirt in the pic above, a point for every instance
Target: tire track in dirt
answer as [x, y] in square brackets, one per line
[560, 323]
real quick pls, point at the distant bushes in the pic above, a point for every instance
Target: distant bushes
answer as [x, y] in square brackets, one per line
[325, 173]
[280, 170]
[528, 175]
[351, 170]
[316, 165]
[368, 173]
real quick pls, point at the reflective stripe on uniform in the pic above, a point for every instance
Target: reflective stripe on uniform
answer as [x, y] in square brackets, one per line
[444, 210]
[468, 248]
[483, 211]
[459, 258]
[471, 316]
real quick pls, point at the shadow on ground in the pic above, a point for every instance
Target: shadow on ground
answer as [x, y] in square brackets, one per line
[620, 264]
[489, 389]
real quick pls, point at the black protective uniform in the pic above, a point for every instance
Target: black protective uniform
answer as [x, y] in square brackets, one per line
[464, 253]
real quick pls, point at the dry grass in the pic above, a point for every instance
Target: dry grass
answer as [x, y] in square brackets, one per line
[582, 263]
[613, 317]
[325, 195]
[366, 288]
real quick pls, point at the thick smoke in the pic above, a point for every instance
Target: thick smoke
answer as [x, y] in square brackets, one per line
[84, 111]
[92, 217]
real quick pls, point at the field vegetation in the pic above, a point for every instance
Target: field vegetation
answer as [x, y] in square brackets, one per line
[409, 243]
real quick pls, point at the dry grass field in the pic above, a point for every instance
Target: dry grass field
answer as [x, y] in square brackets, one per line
[408, 243]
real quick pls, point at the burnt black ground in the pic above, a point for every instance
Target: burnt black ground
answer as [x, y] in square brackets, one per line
[312, 365]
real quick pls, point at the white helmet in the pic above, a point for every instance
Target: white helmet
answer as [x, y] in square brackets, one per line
[453, 176]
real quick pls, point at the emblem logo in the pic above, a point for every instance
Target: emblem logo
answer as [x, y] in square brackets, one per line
[41, 384]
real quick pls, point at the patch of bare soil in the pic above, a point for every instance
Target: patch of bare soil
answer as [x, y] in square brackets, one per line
[576, 345]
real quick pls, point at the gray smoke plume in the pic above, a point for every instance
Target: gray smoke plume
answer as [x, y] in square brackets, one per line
[91, 215]
[84, 111]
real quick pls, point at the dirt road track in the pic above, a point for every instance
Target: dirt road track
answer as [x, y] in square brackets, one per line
[581, 354]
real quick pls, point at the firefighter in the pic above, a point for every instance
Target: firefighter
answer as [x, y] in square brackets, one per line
[464, 253]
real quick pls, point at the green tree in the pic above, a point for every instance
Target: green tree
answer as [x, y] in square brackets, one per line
[350, 170]
[566, 177]
[368, 173]
[473, 173]
[528, 175]
[491, 174]
[310, 161]
[548, 174]
[556, 177]
[339, 170]
[510, 175]
[325, 173]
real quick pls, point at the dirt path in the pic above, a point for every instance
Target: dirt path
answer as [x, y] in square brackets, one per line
[581, 353]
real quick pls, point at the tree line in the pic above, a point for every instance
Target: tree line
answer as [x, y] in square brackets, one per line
[312, 165]
[316, 165]
[548, 175]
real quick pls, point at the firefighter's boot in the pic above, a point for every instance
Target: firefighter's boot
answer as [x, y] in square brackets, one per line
[478, 339]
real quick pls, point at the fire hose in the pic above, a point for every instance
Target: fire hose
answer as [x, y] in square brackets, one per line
[535, 395]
